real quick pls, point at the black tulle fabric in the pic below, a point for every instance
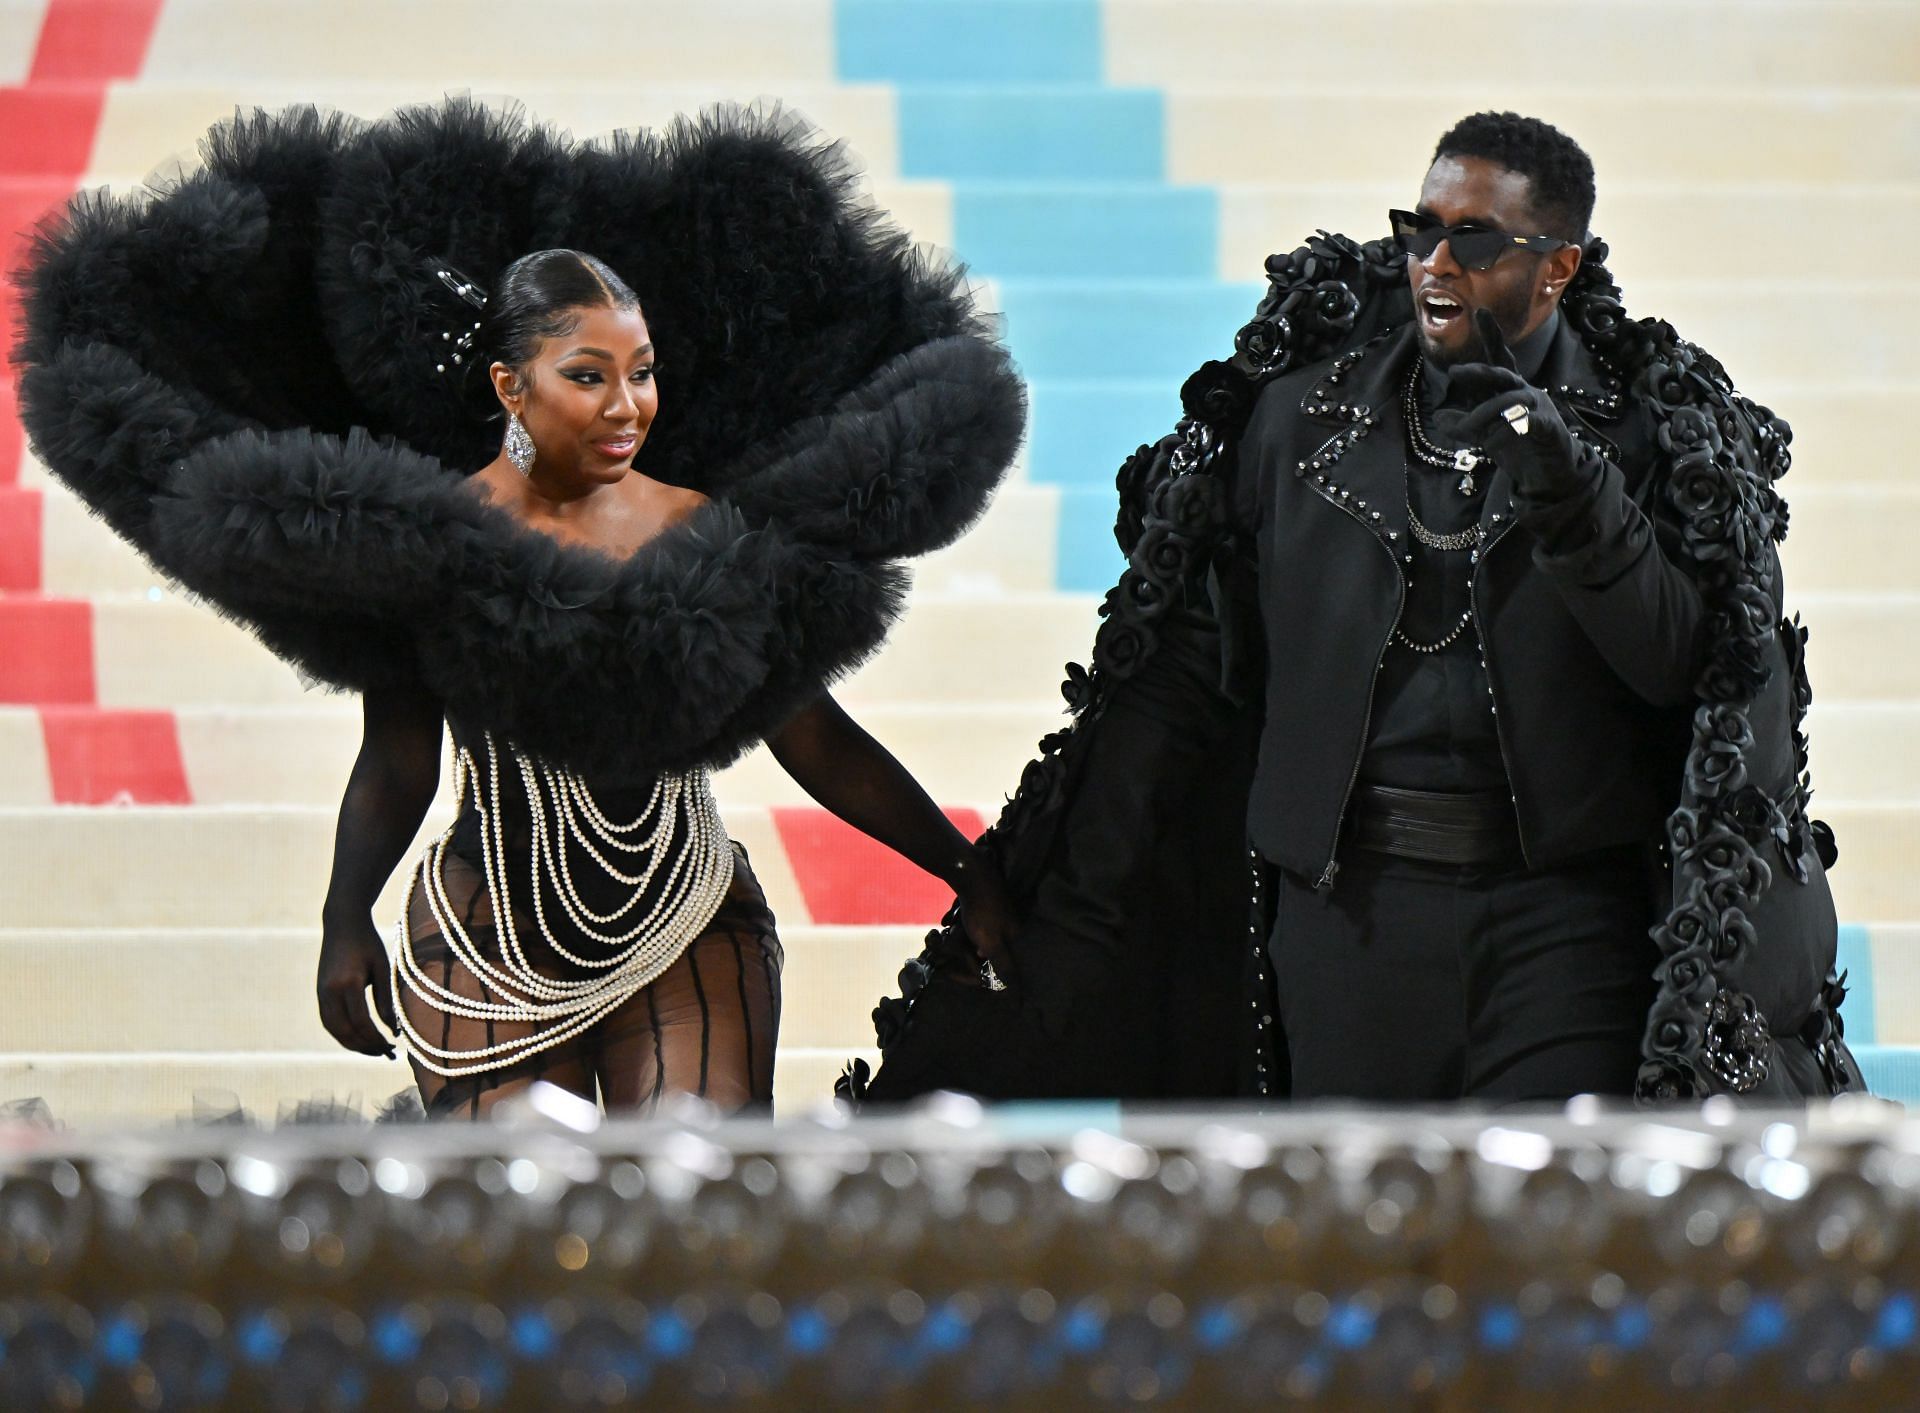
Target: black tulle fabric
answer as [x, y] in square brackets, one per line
[241, 375]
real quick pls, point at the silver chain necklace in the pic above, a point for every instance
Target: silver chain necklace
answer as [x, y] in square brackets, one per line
[1468, 538]
[1453, 635]
[1465, 461]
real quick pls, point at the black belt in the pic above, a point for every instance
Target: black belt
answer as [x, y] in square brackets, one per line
[1434, 826]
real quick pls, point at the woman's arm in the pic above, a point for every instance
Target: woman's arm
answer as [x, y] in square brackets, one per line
[858, 779]
[387, 796]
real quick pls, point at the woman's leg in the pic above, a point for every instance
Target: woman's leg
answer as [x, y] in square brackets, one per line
[708, 1024]
[473, 1096]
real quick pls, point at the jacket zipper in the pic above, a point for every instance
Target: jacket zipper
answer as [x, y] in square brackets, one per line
[1486, 652]
[1366, 722]
[1486, 648]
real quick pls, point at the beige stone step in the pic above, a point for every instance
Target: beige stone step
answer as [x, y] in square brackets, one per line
[316, 40]
[1878, 876]
[166, 651]
[166, 1087]
[1681, 230]
[1896, 983]
[153, 126]
[1865, 750]
[1635, 44]
[207, 867]
[301, 755]
[115, 991]
[1374, 132]
[1861, 645]
[1855, 538]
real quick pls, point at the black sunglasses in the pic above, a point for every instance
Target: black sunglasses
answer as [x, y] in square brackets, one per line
[1475, 247]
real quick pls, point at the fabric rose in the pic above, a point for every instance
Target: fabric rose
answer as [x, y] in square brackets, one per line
[1724, 724]
[1599, 316]
[1334, 304]
[1218, 393]
[1264, 343]
[1077, 689]
[1751, 812]
[1121, 645]
[1163, 553]
[1688, 430]
[1688, 974]
[1194, 505]
[1689, 924]
[1701, 486]
[1721, 856]
[1714, 769]
[1668, 378]
[1668, 1080]
[1733, 935]
[1684, 828]
[1675, 1026]
[1137, 473]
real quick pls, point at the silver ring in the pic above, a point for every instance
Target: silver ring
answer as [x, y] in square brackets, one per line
[1517, 419]
[991, 977]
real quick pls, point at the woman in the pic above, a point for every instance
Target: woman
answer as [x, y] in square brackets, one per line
[503, 974]
[257, 378]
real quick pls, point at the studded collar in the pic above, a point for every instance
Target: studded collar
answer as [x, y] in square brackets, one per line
[1363, 384]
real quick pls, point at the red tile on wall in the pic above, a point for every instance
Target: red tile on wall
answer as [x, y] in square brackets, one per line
[13, 440]
[21, 537]
[48, 132]
[94, 39]
[848, 879]
[97, 757]
[46, 651]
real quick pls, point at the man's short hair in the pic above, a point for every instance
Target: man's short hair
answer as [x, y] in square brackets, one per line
[1558, 171]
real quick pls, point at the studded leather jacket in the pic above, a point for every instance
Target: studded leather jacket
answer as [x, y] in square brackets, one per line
[1588, 622]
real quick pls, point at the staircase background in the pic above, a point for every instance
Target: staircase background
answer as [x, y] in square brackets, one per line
[1114, 171]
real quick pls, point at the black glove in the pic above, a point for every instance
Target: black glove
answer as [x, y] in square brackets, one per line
[1547, 464]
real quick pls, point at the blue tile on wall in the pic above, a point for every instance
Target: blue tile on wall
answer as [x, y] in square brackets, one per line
[1088, 232]
[1891, 1071]
[979, 41]
[1138, 329]
[1087, 559]
[1079, 432]
[1031, 134]
[1856, 960]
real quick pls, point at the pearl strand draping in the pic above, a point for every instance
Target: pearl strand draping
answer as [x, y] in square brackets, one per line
[565, 816]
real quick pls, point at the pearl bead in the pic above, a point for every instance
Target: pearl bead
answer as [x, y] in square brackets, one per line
[565, 818]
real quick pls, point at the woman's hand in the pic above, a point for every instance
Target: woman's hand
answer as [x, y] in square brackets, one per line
[353, 958]
[987, 914]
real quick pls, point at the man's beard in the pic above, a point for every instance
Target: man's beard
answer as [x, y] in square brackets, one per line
[1509, 312]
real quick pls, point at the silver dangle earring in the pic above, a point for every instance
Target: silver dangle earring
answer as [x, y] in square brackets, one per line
[519, 446]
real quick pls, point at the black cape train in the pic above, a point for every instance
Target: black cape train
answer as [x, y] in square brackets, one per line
[249, 375]
[1142, 958]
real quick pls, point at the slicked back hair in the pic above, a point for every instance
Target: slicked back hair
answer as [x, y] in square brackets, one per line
[540, 296]
[1558, 171]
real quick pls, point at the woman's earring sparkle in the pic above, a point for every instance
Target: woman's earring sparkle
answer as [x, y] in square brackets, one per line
[519, 445]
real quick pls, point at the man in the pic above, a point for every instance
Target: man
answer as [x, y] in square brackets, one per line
[1452, 633]
[1481, 651]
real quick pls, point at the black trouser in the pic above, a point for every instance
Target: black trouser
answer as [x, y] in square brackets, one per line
[1415, 981]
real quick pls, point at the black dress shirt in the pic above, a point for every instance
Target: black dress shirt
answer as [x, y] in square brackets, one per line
[1433, 723]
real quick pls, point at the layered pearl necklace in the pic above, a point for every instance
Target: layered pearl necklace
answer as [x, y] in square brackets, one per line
[698, 874]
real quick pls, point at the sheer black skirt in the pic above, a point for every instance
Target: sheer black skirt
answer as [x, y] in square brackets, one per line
[706, 1026]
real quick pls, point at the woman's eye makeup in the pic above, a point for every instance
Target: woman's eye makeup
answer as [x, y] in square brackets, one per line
[588, 377]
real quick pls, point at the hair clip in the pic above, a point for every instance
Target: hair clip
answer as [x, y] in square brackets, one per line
[462, 288]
